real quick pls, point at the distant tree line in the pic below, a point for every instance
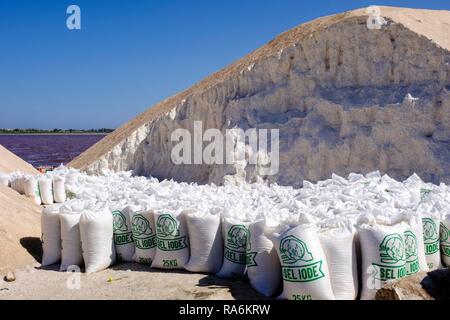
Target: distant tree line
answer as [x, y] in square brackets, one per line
[56, 130]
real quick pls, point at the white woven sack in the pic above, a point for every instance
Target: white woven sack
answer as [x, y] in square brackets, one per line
[445, 240]
[304, 267]
[340, 251]
[4, 180]
[31, 189]
[71, 254]
[416, 260]
[206, 243]
[235, 235]
[51, 235]
[383, 256]
[59, 189]
[45, 188]
[431, 229]
[123, 235]
[144, 236]
[97, 239]
[172, 240]
[263, 265]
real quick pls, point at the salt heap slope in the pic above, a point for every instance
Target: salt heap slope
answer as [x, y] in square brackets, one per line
[19, 218]
[345, 98]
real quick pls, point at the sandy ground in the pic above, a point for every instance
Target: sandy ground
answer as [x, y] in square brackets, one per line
[123, 281]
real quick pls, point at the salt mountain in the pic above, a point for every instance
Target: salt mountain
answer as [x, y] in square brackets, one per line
[346, 98]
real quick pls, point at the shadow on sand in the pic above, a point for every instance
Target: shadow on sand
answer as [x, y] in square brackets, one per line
[240, 290]
[33, 246]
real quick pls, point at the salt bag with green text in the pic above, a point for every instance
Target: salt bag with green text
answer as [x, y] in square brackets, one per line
[304, 266]
[382, 252]
[416, 260]
[172, 240]
[144, 236]
[235, 235]
[445, 240]
[123, 235]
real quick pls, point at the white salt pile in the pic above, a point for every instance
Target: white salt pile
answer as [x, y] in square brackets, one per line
[311, 243]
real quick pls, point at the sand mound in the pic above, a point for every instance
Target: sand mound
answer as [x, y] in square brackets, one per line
[9, 162]
[19, 218]
[19, 230]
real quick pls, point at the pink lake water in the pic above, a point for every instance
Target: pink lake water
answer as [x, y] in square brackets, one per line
[48, 150]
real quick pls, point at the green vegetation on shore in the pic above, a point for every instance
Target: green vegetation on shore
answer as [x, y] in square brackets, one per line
[56, 131]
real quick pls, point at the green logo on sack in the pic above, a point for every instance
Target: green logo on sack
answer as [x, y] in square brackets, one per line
[168, 234]
[167, 227]
[293, 249]
[392, 249]
[444, 233]
[445, 243]
[411, 247]
[392, 256]
[430, 236]
[237, 237]
[142, 233]
[120, 228]
[119, 222]
[141, 227]
[429, 230]
[236, 246]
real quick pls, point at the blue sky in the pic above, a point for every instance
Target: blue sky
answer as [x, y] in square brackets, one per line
[131, 54]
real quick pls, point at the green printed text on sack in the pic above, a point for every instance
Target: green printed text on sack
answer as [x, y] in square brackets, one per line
[385, 272]
[172, 244]
[306, 273]
[432, 248]
[251, 262]
[412, 267]
[235, 256]
[123, 238]
[147, 243]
